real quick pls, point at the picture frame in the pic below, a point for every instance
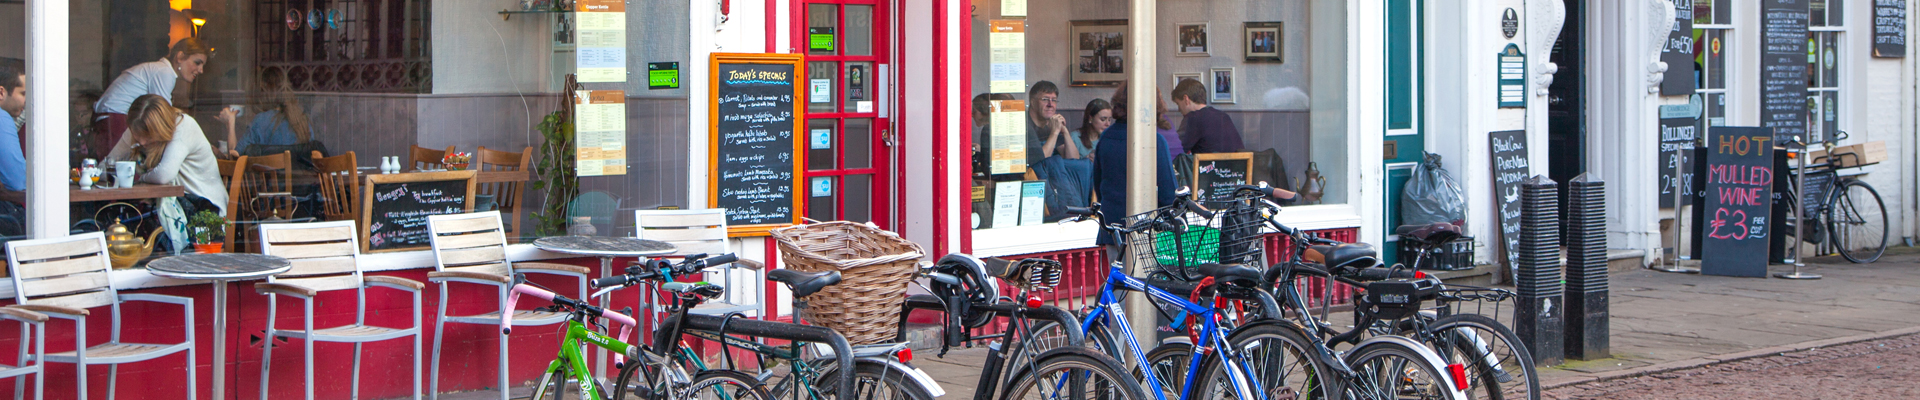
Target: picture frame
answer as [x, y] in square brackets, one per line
[1196, 76]
[1192, 39]
[1222, 87]
[1263, 41]
[1097, 56]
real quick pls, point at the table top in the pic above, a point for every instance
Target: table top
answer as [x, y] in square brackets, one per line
[219, 266]
[604, 246]
[137, 192]
[479, 177]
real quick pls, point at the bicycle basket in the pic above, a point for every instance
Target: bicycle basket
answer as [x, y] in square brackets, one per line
[1242, 223]
[1171, 244]
[875, 267]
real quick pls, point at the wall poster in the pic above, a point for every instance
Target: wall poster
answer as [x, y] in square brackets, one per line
[600, 126]
[600, 54]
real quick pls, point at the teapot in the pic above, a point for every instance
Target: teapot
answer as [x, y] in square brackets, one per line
[124, 248]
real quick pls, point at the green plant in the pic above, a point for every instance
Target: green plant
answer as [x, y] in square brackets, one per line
[554, 173]
[207, 227]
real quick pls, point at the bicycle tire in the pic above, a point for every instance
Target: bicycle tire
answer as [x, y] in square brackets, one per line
[740, 386]
[551, 386]
[1858, 228]
[1100, 378]
[1391, 370]
[1460, 339]
[869, 379]
[1047, 335]
[1169, 364]
[1303, 378]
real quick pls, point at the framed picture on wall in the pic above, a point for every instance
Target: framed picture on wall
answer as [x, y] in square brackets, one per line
[1190, 76]
[1098, 56]
[1192, 39]
[1222, 87]
[1262, 41]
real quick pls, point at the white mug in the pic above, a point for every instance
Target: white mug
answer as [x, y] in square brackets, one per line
[123, 173]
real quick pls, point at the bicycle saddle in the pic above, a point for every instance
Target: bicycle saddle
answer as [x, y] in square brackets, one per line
[1438, 232]
[1316, 253]
[1355, 255]
[1236, 274]
[1031, 274]
[804, 283]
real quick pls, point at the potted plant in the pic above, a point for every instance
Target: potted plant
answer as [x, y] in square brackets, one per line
[456, 161]
[208, 230]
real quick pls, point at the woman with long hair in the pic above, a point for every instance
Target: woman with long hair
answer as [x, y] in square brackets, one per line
[171, 150]
[281, 120]
[1098, 117]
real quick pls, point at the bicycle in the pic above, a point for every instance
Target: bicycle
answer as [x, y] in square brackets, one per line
[666, 380]
[1850, 219]
[964, 289]
[1399, 364]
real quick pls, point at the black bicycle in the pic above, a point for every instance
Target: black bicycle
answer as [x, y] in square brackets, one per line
[1849, 218]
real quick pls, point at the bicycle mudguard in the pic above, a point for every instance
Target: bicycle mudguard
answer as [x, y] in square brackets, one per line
[1044, 313]
[1424, 352]
[766, 329]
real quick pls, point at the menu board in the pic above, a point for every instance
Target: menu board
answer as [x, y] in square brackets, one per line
[600, 144]
[754, 155]
[1736, 198]
[1215, 174]
[1008, 58]
[394, 207]
[1007, 146]
[1510, 167]
[600, 39]
[1783, 68]
[1678, 53]
[1890, 28]
[1677, 136]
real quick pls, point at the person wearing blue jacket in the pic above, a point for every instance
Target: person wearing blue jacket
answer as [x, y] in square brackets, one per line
[1110, 168]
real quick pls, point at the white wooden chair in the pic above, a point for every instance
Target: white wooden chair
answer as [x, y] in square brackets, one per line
[326, 257]
[705, 232]
[38, 323]
[65, 277]
[471, 248]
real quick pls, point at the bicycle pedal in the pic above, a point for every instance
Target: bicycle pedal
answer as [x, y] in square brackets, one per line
[1502, 376]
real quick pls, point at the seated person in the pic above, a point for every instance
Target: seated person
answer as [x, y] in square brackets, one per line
[1098, 117]
[281, 121]
[13, 99]
[1046, 128]
[172, 150]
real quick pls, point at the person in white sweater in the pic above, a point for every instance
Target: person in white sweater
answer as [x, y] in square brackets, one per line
[172, 150]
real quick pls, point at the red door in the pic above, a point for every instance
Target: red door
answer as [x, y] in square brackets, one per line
[849, 137]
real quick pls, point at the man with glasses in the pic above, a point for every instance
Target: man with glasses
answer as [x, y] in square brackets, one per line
[1045, 126]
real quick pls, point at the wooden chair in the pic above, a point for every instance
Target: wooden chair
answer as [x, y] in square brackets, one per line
[236, 182]
[326, 257]
[339, 186]
[65, 277]
[421, 158]
[470, 248]
[506, 195]
[703, 232]
[38, 323]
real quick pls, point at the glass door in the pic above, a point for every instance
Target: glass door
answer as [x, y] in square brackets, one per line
[849, 138]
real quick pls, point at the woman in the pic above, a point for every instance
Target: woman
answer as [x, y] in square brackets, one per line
[1098, 117]
[184, 62]
[171, 150]
[281, 121]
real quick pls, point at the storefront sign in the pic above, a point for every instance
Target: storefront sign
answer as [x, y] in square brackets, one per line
[1783, 68]
[1736, 200]
[1509, 23]
[1033, 202]
[1513, 77]
[663, 75]
[1677, 138]
[1008, 143]
[1214, 175]
[820, 39]
[820, 91]
[1006, 204]
[1510, 167]
[600, 38]
[600, 126]
[1678, 53]
[1008, 41]
[755, 152]
[820, 139]
[1890, 28]
[396, 207]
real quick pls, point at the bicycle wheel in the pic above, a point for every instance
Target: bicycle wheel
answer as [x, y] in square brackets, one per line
[1073, 374]
[553, 386]
[1389, 370]
[1498, 366]
[872, 380]
[1276, 357]
[726, 385]
[1857, 222]
[1169, 363]
[1047, 335]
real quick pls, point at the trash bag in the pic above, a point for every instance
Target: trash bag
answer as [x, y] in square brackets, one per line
[1432, 195]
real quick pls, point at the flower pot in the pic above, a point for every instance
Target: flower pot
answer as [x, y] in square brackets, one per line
[457, 167]
[208, 248]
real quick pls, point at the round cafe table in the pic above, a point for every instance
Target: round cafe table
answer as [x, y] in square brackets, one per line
[607, 248]
[219, 268]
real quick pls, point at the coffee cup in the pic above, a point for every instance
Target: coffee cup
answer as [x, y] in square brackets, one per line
[123, 173]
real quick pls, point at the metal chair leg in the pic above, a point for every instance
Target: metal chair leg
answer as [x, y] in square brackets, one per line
[308, 343]
[416, 345]
[80, 357]
[356, 370]
[113, 380]
[266, 348]
[40, 353]
[439, 325]
[20, 382]
[503, 365]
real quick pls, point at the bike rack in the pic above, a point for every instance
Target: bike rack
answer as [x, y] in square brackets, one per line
[842, 352]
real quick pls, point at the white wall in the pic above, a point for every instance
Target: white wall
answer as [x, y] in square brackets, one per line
[474, 51]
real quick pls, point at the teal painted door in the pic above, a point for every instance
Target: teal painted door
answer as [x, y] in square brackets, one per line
[1406, 138]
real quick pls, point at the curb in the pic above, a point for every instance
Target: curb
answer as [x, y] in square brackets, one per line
[1723, 358]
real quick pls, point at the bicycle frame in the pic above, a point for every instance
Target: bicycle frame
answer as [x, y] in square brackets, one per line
[572, 353]
[1107, 311]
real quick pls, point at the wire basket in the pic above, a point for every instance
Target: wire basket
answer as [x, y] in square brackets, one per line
[875, 267]
[1242, 221]
[1172, 243]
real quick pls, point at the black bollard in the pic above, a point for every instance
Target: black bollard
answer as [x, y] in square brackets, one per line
[1538, 315]
[1586, 315]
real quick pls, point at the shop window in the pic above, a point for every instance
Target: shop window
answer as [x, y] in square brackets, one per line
[1824, 54]
[1713, 43]
[346, 45]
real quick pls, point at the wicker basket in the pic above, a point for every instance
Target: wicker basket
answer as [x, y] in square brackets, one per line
[875, 267]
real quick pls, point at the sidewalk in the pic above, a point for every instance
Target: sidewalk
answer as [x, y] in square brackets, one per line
[1661, 321]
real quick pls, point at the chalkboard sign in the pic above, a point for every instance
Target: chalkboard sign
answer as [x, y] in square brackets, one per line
[394, 207]
[1890, 28]
[1783, 68]
[1510, 167]
[1677, 136]
[754, 156]
[1215, 174]
[1736, 201]
[1678, 52]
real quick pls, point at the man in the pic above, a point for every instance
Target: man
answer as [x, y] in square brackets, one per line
[1204, 129]
[13, 160]
[1046, 128]
[184, 62]
[1110, 171]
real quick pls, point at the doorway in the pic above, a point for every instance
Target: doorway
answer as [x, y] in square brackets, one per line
[1567, 104]
[850, 144]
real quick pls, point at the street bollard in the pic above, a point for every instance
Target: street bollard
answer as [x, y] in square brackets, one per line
[1537, 316]
[1587, 326]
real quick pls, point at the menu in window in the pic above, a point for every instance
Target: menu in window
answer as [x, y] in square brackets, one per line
[600, 39]
[1008, 42]
[1009, 140]
[1783, 68]
[600, 126]
[1006, 204]
[1890, 28]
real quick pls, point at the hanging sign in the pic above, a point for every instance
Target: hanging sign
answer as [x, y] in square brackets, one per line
[663, 75]
[1513, 77]
[1890, 28]
[600, 133]
[1678, 52]
[1783, 68]
[1736, 201]
[600, 37]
